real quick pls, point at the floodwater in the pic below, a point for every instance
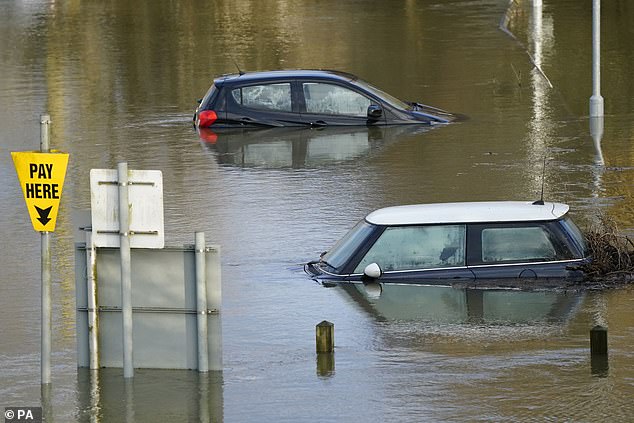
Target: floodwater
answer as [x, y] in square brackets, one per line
[120, 79]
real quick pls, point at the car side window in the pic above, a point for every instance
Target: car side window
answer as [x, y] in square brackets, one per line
[267, 96]
[333, 99]
[417, 247]
[517, 244]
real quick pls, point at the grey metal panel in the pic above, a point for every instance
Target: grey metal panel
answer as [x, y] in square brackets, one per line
[164, 304]
[214, 302]
[161, 340]
[212, 267]
[161, 278]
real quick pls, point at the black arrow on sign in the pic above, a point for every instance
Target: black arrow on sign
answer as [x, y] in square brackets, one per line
[44, 219]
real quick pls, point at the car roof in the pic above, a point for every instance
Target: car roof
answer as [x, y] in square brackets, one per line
[468, 212]
[248, 77]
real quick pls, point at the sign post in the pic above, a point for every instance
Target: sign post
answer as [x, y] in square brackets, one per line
[126, 281]
[41, 176]
[115, 193]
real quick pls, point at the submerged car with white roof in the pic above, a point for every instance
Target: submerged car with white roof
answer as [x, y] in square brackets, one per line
[438, 243]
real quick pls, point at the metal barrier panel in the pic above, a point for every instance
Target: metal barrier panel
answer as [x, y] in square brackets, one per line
[163, 303]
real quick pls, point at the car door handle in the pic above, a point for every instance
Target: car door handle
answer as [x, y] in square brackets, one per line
[318, 124]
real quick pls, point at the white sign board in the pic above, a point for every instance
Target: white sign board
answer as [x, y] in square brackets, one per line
[145, 195]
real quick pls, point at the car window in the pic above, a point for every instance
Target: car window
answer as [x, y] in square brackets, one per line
[417, 247]
[211, 93]
[517, 244]
[332, 99]
[268, 96]
[574, 231]
[338, 255]
[390, 99]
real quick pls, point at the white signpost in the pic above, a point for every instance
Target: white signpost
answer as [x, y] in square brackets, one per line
[145, 217]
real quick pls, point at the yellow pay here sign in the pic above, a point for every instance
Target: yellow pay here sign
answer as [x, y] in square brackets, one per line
[41, 177]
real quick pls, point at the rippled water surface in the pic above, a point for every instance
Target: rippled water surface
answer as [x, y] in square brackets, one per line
[120, 81]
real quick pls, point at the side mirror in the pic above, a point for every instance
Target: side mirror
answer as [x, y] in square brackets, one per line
[373, 271]
[374, 112]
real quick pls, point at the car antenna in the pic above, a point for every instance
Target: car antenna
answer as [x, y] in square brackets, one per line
[540, 202]
[238, 67]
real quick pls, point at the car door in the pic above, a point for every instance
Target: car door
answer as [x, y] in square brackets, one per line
[263, 104]
[517, 250]
[325, 103]
[419, 254]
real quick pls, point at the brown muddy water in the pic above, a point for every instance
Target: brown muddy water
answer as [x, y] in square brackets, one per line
[120, 80]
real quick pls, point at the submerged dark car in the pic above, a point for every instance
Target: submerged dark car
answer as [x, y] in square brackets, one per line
[313, 98]
[438, 243]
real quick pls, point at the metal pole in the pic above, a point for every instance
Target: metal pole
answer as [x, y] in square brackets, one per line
[45, 121]
[126, 283]
[93, 324]
[46, 308]
[46, 396]
[596, 101]
[201, 299]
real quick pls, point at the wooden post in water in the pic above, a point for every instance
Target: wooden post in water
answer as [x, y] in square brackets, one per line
[598, 341]
[599, 364]
[325, 337]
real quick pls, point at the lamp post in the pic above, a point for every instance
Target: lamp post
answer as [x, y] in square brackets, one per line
[596, 101]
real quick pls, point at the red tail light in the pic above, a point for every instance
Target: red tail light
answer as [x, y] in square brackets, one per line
[206, 118]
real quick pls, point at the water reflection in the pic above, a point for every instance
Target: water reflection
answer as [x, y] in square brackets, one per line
[300, 147]
[541, 125]
[596, 132]
[151, 396]
[455, 305]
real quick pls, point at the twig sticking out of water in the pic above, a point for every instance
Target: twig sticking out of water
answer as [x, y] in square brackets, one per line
[612, 252]
[518, 76]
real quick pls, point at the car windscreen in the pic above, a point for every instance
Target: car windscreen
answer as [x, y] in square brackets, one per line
[390, 99]
[339, 255]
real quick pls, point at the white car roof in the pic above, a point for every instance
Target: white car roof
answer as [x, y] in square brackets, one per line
[473, 212]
